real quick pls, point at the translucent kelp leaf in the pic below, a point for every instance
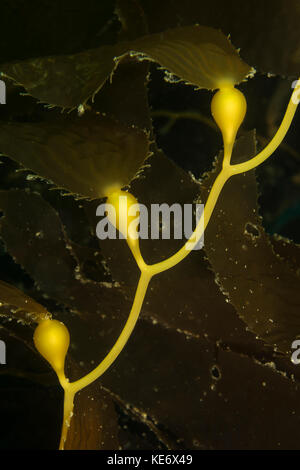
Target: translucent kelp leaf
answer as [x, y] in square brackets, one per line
[196, 391]
[86, 155]
[197, 55]
[261, 285]
[268, 37]
[67, 80]
[21, 306]
[94, 423]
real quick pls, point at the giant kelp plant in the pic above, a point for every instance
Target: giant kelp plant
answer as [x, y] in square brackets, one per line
[216, 331]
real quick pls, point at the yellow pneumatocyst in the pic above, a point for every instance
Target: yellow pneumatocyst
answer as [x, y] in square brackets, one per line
[122, 201]
[228, 108]
[52, 340]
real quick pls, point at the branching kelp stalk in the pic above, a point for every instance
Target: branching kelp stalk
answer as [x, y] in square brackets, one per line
[51, 337]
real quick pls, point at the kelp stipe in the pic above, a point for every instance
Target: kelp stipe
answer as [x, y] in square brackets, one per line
[51, 338]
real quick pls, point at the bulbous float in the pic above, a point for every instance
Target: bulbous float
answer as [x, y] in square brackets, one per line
[52, 340]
